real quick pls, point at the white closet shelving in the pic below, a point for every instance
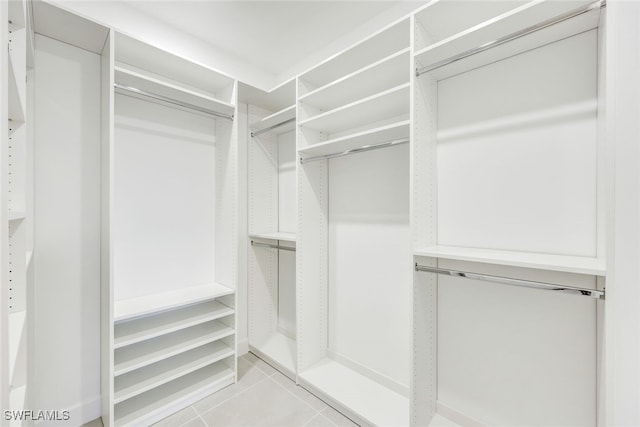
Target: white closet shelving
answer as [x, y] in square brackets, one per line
[353, 102]
[508, 176]
[17, 193]
[272, 225]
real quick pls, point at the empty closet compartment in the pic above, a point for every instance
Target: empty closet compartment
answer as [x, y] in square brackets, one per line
[172, 232]
[271, 269]
[353, 278]
[509, 203]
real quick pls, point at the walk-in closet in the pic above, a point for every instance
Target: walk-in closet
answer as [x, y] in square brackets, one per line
[399, 214]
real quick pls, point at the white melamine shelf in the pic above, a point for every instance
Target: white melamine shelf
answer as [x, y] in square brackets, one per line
[276, 118]
[16, 215]
[565, 263]
[152, 84]
[386, 73]
[279, 350]
[147, 378]
[276, 235]
[374, 136]
[136, 307]
[137, 330]
[17, 322]
[383, 105]
[145, 353]
[366, 398]
[177, 393]
[504, 25]
[16, 104]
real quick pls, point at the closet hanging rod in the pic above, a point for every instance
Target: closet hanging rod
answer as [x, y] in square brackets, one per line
[277, 125]
[513, 36]
[513, 282]
[171, 101]
[355, 150]
[268, 245]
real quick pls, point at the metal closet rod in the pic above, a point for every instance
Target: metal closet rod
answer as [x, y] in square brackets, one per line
[268, 245]
[512, 36]
[277, 125]
[171, 101]
[355, 150]
[513, 282]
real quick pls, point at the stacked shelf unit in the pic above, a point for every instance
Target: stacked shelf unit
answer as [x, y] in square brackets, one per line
[353, 228]
[509, 183]
[16, 192]
[271, 269]
[169, 232]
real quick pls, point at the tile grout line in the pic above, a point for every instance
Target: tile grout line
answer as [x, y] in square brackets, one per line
[298, 397]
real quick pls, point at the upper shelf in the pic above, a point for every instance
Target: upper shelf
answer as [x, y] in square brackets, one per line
[277, 235]
[279, 122]
[503, 36]
[383, 105]
[380, 45]
[388, 72]
[139, 79]
[564, 263]
[136, 307]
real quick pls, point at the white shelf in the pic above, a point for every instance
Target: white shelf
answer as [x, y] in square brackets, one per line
[17, 323]
[155, 404]
[275, 119]
[279, 350]
[366, 398]
[145, 379]
[565, 263]
[383, 105]
[136, 307]
[508, 23]
[133, 331]
[276, 235]
[386, 73]
[147, 352]
[140, 80]
[374, 136]
[15, 215]
[16, 105]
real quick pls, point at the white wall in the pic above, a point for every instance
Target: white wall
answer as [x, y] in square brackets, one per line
[67, 230]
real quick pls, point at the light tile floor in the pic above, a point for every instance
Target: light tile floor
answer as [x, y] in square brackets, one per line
[261, 397]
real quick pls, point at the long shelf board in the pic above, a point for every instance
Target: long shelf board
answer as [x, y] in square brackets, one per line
[139, 80]
[16, 104]
[369, 137]
[388, 72]
[150, 377]
[564, 263]
[383, 105]
[17, 323]
[159, 402]
[276, 235]
[145, 353]
[134, 331]
[284, 115]
[362, 396]
[531, 13]
[279, 350]
[142, 306]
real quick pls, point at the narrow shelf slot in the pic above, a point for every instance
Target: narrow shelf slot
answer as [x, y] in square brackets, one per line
[369, 137]
[147, 378]
[384, 74]
[279, 122]
[137, 330]
[145, 353]
[383, 105]
[276, 235]
[366, 398]
[154, 404]
[136, 307]
[564, 263]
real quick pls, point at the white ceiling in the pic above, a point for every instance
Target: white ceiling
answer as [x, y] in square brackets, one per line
[273, 35]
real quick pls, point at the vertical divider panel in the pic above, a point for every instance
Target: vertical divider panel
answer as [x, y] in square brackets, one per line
[106, 305]
[4, 306]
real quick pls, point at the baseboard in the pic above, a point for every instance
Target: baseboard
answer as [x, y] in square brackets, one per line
[79, 414]
[243, 346]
